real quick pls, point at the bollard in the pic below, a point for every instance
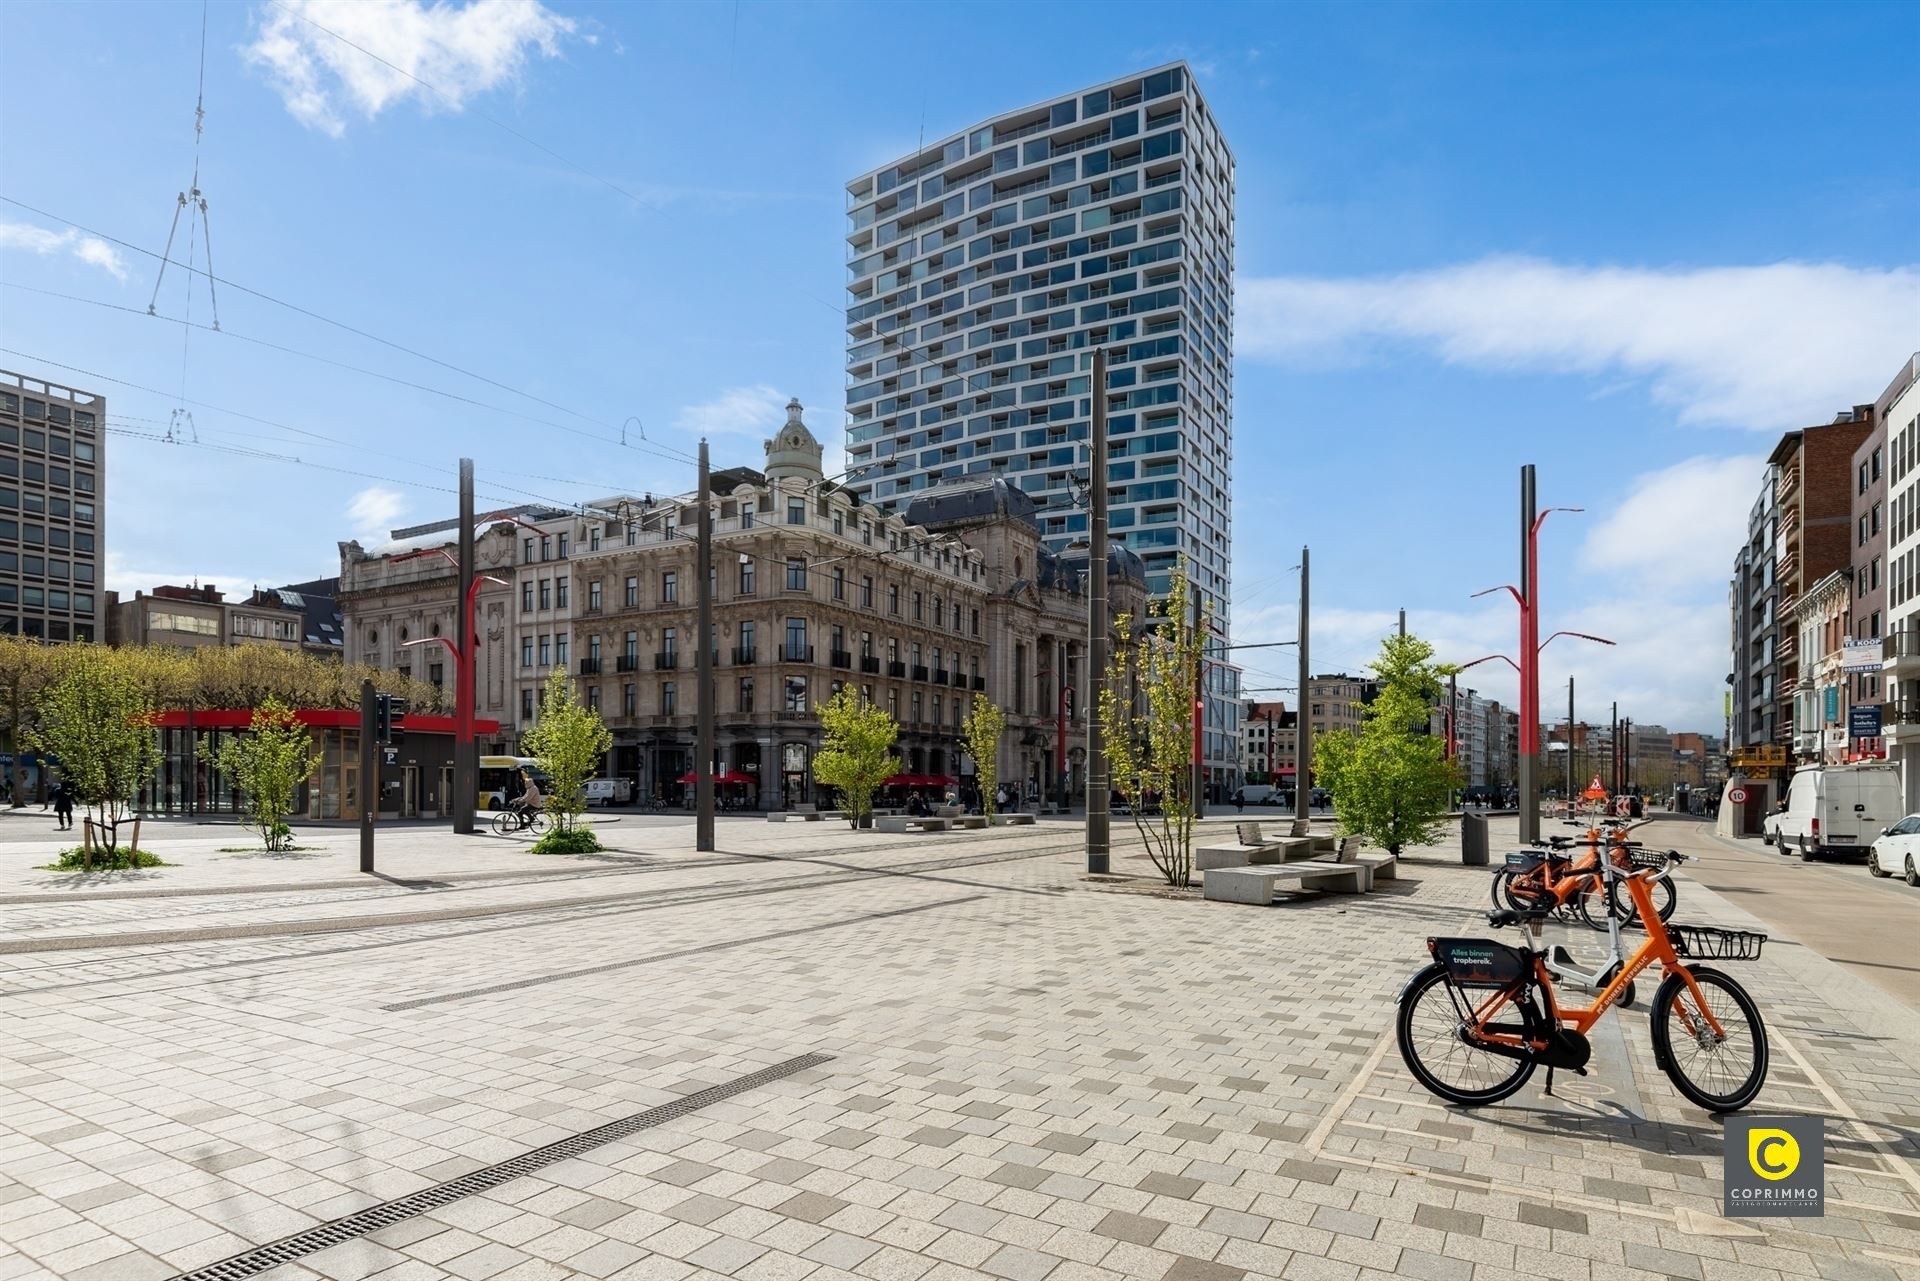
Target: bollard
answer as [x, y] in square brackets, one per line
[1473, 840]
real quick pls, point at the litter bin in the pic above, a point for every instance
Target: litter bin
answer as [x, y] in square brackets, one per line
[1473, 840]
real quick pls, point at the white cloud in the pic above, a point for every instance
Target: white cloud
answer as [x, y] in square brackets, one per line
[462, 51]
[755, 411]
[1767, 347]
[1678, 528]
[373, 513]
[127, 577]
[88, 249]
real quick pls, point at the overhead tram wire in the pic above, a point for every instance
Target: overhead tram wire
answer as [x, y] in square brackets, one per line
[305, 355]
[318, 437]
[296, 308]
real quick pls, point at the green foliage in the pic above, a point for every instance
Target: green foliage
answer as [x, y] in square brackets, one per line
[268, 764]
[99, 720]
[856, 754]
[76, 860]
[1146, 711]
[569, 739]
[577, 840]
[981, 731]
[1391, 782]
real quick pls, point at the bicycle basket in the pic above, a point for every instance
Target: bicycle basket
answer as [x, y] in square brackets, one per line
[1480, 962]
[1655, 859]
[1708, 943]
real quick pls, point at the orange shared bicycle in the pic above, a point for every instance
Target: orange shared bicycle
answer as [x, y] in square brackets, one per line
[1572, 885]
[1473, 1025]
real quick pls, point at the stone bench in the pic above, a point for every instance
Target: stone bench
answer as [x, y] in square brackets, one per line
[802, 813]
[971, 821]
[1249, 847]
[1347, 872]
[1014, 820]
[907, 822]
[1258, 885]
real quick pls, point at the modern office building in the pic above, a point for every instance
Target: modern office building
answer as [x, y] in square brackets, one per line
[52, 500]
[985, 268]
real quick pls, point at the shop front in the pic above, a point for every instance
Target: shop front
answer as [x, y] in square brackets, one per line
[416, 782]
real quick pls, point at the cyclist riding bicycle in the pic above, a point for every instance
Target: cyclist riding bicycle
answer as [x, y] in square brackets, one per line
[528, 803]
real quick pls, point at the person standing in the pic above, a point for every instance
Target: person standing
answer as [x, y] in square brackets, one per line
[63, 797]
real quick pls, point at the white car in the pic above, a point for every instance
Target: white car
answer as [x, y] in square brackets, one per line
[1896, 851]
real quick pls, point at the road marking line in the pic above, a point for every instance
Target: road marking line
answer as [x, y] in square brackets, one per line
[1895, 1162]
[1345, 1100]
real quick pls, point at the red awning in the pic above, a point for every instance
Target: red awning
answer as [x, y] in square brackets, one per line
[728, 776]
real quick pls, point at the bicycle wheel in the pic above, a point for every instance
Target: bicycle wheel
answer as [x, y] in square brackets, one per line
[1719, 1075]
[537, 823]
[504, 823]
[1587, 906]
[1432, 1046]
[1621, 907]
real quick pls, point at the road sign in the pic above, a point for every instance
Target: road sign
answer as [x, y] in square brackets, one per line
[393, 755]
[1738, 796]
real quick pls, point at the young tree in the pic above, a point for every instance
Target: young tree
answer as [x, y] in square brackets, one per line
[981, 731]
[1391, 781]
[1146, 708]
[100, 722]
[569, 739]
[268, 764]
[856, 754]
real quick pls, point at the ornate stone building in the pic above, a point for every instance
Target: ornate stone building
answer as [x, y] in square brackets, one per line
[405, 591]
[814, 590]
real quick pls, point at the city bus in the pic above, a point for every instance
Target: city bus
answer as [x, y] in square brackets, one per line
[500, 780]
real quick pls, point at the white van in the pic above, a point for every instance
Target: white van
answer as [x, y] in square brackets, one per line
[1835, 810]
[610, 791]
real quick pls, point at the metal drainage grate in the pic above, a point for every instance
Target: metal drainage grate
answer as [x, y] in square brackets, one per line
[252, 1263]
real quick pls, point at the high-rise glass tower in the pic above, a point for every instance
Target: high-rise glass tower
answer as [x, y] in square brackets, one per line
[982, 272]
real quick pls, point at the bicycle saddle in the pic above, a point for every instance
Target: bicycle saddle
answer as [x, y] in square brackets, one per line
[1517, 916]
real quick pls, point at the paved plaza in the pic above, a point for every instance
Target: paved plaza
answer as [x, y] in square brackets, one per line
[826, 1054]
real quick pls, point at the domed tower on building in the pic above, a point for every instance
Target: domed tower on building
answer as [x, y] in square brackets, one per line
[794, 452]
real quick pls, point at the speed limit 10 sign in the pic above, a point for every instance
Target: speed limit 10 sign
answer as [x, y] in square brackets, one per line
[1738, 796]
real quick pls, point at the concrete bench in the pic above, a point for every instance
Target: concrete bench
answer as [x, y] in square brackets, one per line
[1249, 847]
[808, 815]
[1014, 820]
[1258, 885]
[971, 821]
[907, 822]
[1348, 872]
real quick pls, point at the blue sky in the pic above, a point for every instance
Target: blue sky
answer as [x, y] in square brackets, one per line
[1628, 243]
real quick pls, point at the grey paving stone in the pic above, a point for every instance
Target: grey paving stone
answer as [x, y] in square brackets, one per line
[811, 1207]
[1185, 1269]
[1133, 1228]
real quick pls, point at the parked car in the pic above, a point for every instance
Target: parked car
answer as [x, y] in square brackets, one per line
[1256, 793]
[1838, 809]
[610, 791]
[1896, 851]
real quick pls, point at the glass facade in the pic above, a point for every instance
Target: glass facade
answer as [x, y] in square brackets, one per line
[985, 269]
[51, 494]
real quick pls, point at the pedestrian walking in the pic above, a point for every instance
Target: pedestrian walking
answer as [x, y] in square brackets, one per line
[1239, 801]
[63, 804]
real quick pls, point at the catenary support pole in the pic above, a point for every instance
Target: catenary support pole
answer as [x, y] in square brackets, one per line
[466, 638]
[1529, 671]
[1303, 735]
[1099, 782]
[1199, 706]
[1572, 782]
[1613, 752]
[369, 776]
[703, 667]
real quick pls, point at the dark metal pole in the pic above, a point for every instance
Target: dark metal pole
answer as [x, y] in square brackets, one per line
[369, 776]
[1199, 706]
[1099, 782]
[1303, 733]
[466, 762]
[1613, 749]
[1403, 624]
[1569, 741]
[703, 668]
[1529, 672]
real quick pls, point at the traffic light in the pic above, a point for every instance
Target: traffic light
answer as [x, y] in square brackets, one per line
[388, 710]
